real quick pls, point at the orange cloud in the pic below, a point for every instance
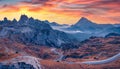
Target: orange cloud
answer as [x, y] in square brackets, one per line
[9, 8]
[68, 11]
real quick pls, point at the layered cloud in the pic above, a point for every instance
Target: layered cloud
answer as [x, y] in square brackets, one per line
[100, 11]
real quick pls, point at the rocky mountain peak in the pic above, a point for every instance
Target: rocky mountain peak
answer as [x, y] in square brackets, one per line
[83, 18]
[14, 20]
[84, 21]
[23, 18]
[5, 19]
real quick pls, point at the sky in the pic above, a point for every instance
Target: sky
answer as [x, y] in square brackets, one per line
[63, 11]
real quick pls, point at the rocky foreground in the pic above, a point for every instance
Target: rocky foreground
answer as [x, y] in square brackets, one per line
[14, 55]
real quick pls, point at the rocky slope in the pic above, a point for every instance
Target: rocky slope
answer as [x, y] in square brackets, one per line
[18, 55]
[97, 48]
[32, 31]
[94, 53]
[33, 44]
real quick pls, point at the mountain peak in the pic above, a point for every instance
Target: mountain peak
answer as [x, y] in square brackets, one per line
[14, 20]
[23, 18]
[46, 21]
[82, 18]
[31, 18]
[84, 21]
[5, 19]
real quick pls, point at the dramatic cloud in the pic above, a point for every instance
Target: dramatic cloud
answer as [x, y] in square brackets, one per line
[100, 11]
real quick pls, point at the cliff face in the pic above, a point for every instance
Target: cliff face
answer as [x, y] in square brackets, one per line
[27, 44]
[32, 31]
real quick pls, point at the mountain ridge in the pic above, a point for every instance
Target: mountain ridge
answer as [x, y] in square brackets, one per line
[33, 31]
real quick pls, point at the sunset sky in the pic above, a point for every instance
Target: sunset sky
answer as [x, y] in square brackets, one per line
[62, 11]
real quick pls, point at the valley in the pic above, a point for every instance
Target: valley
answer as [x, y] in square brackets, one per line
[34, 44]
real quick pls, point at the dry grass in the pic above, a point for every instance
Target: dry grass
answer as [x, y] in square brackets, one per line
[49, 64]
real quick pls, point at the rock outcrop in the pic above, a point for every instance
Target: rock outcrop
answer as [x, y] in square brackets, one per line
[33, 31]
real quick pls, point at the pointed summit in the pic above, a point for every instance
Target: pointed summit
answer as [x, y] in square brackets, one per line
[5, 19]
[14, 20]
[46, 21]
[23, 18]
[84, 24]
[84, 21]
[83, 18]
[31, 19]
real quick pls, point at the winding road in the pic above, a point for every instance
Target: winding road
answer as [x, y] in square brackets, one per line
[111, 59]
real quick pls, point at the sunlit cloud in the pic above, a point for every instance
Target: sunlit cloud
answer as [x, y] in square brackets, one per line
[63, 11]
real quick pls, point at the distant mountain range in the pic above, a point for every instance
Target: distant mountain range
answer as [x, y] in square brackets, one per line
[34, 44]
[85, 28]
[88, 26]
[32, 31]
